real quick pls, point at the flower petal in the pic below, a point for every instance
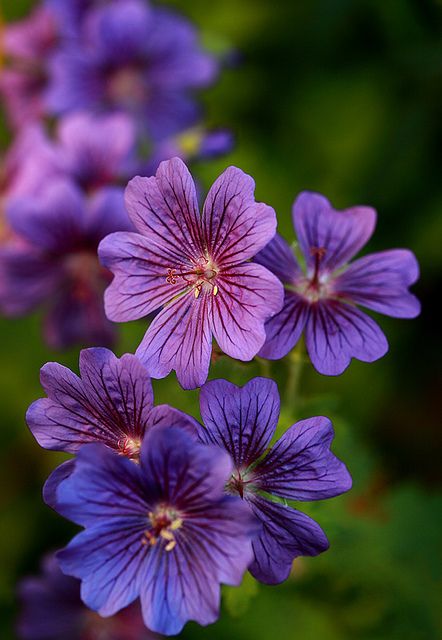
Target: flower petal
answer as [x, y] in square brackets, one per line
[51, 485]
[286, 534]
[179, 338]
[248, 294]
[300, 466]
[164, 208]
[380, 282]
[165, 416]
[337, 332]
[241, 420]
[278, 257]
[236, 227]
[285, 328]
[140, 283]
[340, 233]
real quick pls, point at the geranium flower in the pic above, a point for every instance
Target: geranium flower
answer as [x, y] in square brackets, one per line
[299, 466]
[162, 529]
[193, 267]
[51, 609]
[321, 300]
[54, 262]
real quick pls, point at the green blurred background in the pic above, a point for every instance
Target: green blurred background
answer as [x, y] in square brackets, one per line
[343, 97]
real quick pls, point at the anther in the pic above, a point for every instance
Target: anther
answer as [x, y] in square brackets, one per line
[215, 290]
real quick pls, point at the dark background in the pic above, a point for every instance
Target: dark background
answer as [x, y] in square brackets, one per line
[343, 97]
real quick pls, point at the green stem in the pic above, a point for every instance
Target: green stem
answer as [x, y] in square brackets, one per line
[264, 367]
[295, 360]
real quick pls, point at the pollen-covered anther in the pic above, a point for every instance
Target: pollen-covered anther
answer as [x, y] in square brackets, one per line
[164, 522]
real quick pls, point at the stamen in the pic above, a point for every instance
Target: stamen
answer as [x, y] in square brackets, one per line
[197, 291]
[171, 276]
[215, 290]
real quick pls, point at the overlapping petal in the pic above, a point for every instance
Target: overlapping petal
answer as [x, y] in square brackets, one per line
[235, 226]
[285, 328]
[337, 332]
[241, 420]
[278, 257]
[380, 282]
[300, 466]
[341, 234]
[286, 534]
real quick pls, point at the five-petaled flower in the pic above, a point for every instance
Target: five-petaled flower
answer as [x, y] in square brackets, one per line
[163, 529]
[299, 466]
[111, 403]
[322, 300]
[196, 268]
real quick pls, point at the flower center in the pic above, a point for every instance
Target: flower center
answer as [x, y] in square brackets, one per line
[85, 275]
[126, 87]
[315, 285]
[164, 522]
[237, 483]
[129, 447]
[201, 276]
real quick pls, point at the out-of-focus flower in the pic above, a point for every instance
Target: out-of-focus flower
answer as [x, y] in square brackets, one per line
[133, 58]
[322, 299]
[162, 529]
[111, 402]
[195, 267]
[299, 466]
[51, 609]
[54, 261]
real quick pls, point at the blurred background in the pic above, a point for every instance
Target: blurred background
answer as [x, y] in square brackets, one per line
[343, 97]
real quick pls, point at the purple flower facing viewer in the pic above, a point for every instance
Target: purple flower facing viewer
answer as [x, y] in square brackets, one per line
[194, 268]
[111, 402]
[51, 609]
[163, 529]
[299, 466]
[321, 301]
[54, 262]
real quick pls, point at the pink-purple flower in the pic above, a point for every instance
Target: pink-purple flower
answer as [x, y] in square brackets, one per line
[162, 529]
[195, 268]
[321, 299]
[299, 466]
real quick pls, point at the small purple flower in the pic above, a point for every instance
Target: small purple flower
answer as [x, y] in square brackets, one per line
[299, 466]
[162, 529]
[52, 610]
[322, 299]
[111, 403]
[133, 58]
[54, 262]
[195, 267]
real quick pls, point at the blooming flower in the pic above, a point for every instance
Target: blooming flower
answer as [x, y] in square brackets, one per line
[162, 529]
[322, 299]
[111, 402]
[136, 59]
[195, 268]
[299, 466]
[55, 262]
[52, 610]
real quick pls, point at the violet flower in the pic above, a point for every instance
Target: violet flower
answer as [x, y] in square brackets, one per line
[55, 263]
[193, 267]
[299, 466]
[321, 301]
[111, 402]
[134, 58]
[51, 609]
[162, 529]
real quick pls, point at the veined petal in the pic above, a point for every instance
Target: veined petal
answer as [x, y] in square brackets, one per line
[51, 485]
[278, 257]
[164, 208]
[286, 534]
[380, 282]
[140, 271]
[300, 466]
[339, 234]
[337, 332]
[180, 338]
[285, 328]
[165, 416]
[236, 227]
[241, 420]
[248, 295]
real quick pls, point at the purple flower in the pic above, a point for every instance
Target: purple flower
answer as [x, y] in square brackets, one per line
[299, 466]
[194, 267]
[52, 610]
[111, 403]
[322, 299]
[55, 261]
[162, 529]
[133, 58]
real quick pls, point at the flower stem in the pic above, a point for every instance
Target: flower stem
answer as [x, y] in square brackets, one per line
[295, 360]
